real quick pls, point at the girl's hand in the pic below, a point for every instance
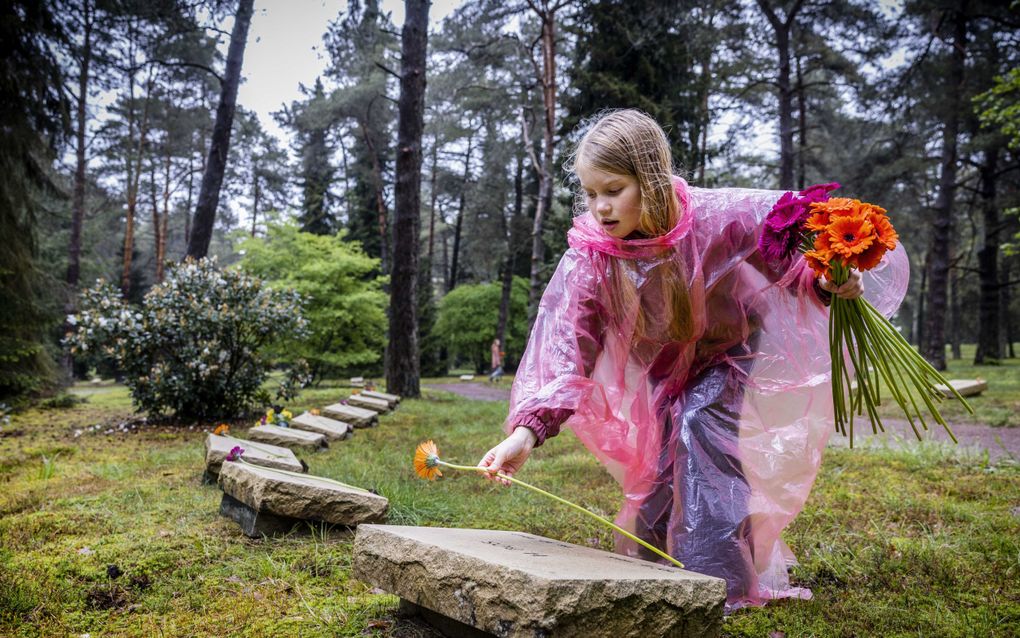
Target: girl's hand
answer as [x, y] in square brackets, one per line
[852, 289]
[509, 455]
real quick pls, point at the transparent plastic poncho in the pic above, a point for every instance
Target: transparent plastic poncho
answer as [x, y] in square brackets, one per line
[716, 436]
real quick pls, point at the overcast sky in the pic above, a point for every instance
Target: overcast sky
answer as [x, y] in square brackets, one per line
[285, 50]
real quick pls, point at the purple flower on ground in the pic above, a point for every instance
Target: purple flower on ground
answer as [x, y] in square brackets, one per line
[235, 453]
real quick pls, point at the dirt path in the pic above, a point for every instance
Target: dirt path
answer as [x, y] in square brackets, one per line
[1000, 442]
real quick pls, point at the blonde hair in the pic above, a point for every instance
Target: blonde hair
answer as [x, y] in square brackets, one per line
[629, 142]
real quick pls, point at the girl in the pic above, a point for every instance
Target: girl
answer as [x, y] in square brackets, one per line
[692, 367]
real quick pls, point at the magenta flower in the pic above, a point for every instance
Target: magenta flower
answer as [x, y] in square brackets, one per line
[235, 453]
[781, 234]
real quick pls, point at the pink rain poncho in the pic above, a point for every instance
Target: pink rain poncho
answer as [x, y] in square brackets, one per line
[716, 439]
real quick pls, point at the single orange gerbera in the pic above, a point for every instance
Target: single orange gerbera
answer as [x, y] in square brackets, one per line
[314, 412]
[851, 236]
[222, 429]
[426, 460]
[870, 257]
[884, 231]
[819, 262]
[818, 220]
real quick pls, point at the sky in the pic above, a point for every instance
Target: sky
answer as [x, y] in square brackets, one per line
[285, 50]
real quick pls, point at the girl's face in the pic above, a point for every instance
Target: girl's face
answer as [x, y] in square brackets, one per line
[613, 200]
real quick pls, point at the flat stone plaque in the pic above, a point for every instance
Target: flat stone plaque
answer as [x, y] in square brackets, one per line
[392, 399]
[358, 381]
[966, 387]
[467, 377]
[217, 448]
[358, 417]
[520, 585]
[288, 437]
[329, 428]
[305, 498]
[376, 405]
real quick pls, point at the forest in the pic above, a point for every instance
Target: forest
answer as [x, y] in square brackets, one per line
[125, 150]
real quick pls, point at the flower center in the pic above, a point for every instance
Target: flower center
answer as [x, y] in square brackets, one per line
[431, 460]
[848, 237]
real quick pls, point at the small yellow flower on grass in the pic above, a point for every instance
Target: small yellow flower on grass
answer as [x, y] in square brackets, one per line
[426, 461]
[222, 429]
[314, 411]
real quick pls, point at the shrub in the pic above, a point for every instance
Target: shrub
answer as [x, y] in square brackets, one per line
[194, 347]
[343, 298]
[467, 319]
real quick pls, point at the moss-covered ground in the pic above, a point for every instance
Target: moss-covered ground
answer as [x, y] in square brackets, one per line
[913, 542]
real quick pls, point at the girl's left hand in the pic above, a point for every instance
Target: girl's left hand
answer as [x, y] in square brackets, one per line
[852, 289]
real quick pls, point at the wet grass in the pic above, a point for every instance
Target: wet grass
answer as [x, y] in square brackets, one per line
[916, 542]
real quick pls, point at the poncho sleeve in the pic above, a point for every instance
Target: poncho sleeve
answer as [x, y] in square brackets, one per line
[553, 378]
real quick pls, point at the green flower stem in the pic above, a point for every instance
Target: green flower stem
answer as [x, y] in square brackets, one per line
[300, 475]
[469, 468]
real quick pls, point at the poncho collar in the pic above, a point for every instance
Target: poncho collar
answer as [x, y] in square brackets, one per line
[587, 234]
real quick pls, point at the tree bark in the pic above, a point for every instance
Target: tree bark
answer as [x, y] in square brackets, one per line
[988, 346]
[511, 253]
[134, 176]
[212, 180]
[548, 80]
[458, 225]
[782, 29]
[934, 348]
[432, 203]
[402, 373]
[78, 198]
[802, 129]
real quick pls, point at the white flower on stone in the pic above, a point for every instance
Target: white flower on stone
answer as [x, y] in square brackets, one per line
[72, 320]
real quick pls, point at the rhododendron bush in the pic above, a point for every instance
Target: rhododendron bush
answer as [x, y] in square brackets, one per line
[195, 346]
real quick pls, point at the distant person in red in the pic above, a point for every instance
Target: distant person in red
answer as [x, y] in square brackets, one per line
[496, 361]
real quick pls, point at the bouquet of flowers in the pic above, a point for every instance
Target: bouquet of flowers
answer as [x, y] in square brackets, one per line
[836, 235]
[280, 419]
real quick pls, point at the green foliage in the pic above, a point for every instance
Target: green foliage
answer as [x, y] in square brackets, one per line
[467, 318]
[999, 107]
[343, 299]
[194, 348]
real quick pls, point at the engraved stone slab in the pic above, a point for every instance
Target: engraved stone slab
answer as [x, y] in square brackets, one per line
[966, 387]
[217, 448]
[329, 428]
[358, 417]
[376, 405]
[358, 381]
[306, 498]
[514, 584]
[467, 377]
[392, 399]
[288, 437]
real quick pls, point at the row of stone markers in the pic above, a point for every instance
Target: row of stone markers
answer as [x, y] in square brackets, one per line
[270, 491]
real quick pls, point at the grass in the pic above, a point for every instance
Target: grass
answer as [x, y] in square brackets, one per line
[997, 406]
[922, 541]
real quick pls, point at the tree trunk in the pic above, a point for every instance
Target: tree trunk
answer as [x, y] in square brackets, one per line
[954, 315]
[212, 180]
[1005, 302]
[255, 198]
[548, 81]
[921, 295]
[802, 129]
[511, 253]
[988, 346]
[402, 373]
[782, 30]
[460, 218]
[934, 348]
[134, 175]
[163, 231]
[78, 198]
[432, 203]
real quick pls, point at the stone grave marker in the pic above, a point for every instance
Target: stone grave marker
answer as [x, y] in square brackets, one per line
[966, 387]
[467, 377]
[288, 437]
[358, 382]
[511, 584]
[265, 501]
[376, 405]
[358, 417]
[392, 399]
[332, 429]
[217, 447]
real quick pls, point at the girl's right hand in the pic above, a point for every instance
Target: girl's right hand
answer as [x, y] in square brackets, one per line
[509, 455]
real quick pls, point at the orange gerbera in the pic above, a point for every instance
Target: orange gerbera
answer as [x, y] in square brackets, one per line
[819, 262]
[426, 460]
[870, 257]
[851, 236]
[884, 231]
[221, 429]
